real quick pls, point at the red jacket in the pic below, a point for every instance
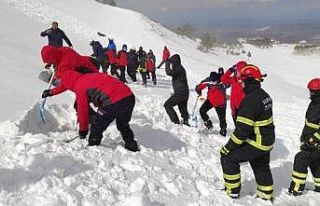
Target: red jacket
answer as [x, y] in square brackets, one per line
[237, 94]
[122, 58]
[111, 56]
[98, 88]
[165, 54]
[150, 65]
[216, 93]
[65, 58]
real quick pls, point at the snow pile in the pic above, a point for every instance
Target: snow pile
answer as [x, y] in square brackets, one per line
[176, 165]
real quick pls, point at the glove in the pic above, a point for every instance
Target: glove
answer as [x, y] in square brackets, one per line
[233, 68]
[46, 93]
[224, 151]
[220, 71]
[83, 134]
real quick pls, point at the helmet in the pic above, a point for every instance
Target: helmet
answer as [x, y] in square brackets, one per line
[250, 72]
[240, 65]
[314, 84]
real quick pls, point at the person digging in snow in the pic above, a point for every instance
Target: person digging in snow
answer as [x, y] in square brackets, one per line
[309, 156]
[115, 101]
[252, 139]
[216, 98]
[64, 59]
[181, 90]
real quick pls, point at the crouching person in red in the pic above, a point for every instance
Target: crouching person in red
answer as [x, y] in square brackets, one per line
[216, 98]
[115, 101]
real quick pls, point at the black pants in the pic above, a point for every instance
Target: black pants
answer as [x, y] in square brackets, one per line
[144, 77]
[302, 161]
[121, 112]
[132, 70]
[114, 72]
[154, 77]
[221, 112]
[122, 74]
[182, 101]
[259, 162]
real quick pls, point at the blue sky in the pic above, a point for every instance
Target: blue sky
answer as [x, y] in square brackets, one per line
[227, 11]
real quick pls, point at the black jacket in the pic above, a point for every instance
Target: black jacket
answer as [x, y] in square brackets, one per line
[132, 59]
[98, 51]
[179, 76]
[312, 123]
[55, 37]
[254, 123]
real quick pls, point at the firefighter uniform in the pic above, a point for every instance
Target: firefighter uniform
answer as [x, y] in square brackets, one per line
[251, 142]
[309, 156]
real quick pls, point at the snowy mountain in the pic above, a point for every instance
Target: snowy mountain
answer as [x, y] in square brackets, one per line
[176, 165]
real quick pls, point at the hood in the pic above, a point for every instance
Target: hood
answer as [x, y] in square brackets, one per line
[69, 78]
[49, 55]
[175, 60]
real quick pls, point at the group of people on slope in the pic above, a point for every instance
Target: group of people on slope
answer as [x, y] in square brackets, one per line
[251, 141]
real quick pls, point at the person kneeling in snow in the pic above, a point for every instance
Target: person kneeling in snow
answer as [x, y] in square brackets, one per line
[181, 90]
[115, 101]
[309, 156]
[252, 139]
[216, 98]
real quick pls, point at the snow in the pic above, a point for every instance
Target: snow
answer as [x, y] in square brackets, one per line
[176, 165]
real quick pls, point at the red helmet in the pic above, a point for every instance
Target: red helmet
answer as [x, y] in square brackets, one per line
[240, 65]
[314, 84]
[250, 71]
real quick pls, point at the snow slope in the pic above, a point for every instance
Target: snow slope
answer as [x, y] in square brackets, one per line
[176, 166]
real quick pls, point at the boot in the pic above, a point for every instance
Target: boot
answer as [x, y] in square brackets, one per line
[208, 124]
[94, 141]
[132, 146]
[186, 122]
[223, 132]
[294, 193]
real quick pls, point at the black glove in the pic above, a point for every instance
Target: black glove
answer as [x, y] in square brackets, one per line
[46, 93]
[221, 71]
[198, 90]
[83, 134]
[233, 68]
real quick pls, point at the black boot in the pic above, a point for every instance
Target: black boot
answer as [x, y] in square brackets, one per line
[132, 146]
[186, 122]
[94, 141]
[208, 124]
[223, 132]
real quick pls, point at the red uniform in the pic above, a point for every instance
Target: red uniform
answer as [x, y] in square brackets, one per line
[216, 96]
[236, 94]
[150, 65]
[99, 88]
[122, 59]
[165, 54]
[111, 56]
[65, 58]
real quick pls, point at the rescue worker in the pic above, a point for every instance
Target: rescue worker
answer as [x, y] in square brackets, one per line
[230, 78]
[216, 98]
[122, 62]
[115, 101]
[180, 88]
[309, 156]
[252, 139]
